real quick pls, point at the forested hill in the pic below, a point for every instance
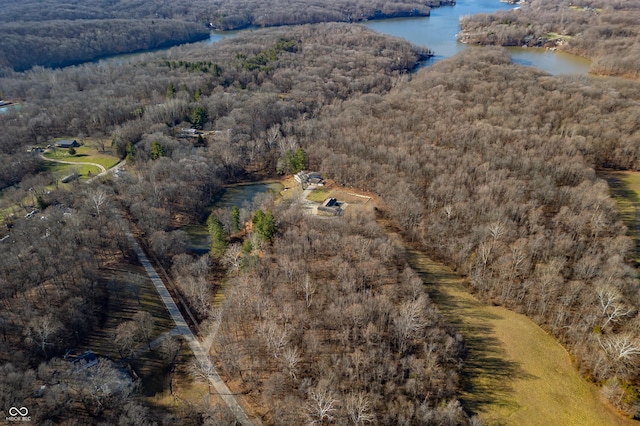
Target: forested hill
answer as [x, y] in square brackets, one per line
[604, 31]
[488, 165]
[61, 43]
[366, 331]
[59, 32]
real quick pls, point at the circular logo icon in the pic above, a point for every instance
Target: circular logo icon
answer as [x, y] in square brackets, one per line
[22, 411]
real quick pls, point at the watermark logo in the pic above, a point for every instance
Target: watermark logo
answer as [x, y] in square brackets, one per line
[18, 414]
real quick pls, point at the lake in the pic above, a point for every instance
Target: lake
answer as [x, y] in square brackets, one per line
[438, 33]
[7, 108]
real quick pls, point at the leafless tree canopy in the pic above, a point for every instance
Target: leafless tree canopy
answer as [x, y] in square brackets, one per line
[57, 33]
[369, 348]
[489, 167]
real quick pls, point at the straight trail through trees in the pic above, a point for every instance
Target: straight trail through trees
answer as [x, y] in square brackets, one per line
[514, 372]
[183, 329]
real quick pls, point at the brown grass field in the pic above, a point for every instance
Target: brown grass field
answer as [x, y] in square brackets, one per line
[515, 373]
[625, 190]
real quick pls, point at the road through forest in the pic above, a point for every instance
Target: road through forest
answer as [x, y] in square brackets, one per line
[183, 329]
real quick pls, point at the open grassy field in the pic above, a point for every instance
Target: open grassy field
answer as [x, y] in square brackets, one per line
[515, 373]
[625, 190]
[61, 170]
[90, 152]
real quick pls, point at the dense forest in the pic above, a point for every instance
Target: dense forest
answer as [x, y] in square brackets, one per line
[58, 33]
[62, 43]
[488, 166]
[251, 90]
[604, 31]
[352, 330]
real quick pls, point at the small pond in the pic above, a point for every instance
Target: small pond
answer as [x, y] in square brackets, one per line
[241, 195]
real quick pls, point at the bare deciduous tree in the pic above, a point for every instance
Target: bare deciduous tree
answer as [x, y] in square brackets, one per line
[232, 258]
[623, 350]
[358, 409]
[613, 308]
[321, 405]
[41, 331]
[291, 358]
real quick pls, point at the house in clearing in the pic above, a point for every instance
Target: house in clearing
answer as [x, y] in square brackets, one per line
[308, 178]
[67, 143]
[330, 207]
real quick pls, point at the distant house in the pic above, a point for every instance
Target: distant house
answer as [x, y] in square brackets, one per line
[189, 133]
[330, 207]
[67, 143]
[309, 178]
[86, 360]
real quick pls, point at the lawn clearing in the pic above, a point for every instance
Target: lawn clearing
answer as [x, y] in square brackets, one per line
[556, 36]
[515, 373]
[318, 195]
[625, 190]
[92, 150]
[60, 170]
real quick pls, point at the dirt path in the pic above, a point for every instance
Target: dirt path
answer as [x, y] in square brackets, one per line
[81, 163]
[183, 329]
[515, 373]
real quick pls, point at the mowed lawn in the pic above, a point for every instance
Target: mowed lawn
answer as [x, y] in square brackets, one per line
[89, 152]
[515, 373]
[59, 169]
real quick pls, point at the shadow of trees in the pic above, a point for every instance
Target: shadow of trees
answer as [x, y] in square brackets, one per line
[487, 372]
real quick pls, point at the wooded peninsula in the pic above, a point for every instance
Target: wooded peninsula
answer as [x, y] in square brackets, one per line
[604, 31]
[53, 34]
[491, 168]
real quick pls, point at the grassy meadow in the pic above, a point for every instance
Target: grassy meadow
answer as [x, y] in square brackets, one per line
[625, 190]
[515, 373]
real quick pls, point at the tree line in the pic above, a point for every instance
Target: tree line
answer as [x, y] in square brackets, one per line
[62, 43]
[248, 113]
[490, 166]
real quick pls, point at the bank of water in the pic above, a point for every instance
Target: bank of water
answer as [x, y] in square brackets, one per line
[9, 108]
[438, 33]
[242, 196]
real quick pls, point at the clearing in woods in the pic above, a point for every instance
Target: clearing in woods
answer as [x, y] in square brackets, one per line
[625, 190]
[515, 373]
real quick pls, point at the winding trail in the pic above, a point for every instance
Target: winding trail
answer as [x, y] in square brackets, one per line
[103, 170]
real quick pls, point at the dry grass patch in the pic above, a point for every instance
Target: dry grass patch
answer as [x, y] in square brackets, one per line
[625, 190]
[318, 195]
[515, 373]
[129, 291]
